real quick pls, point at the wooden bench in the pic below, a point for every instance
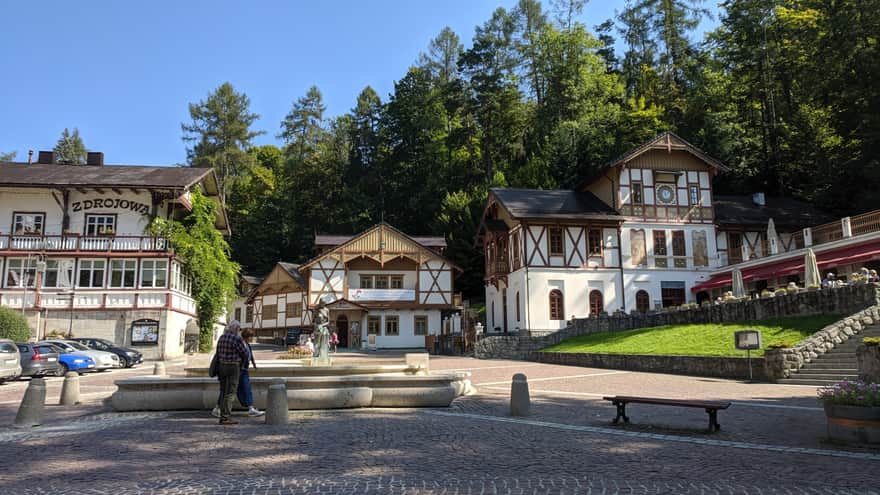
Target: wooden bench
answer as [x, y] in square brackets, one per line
[710, 406]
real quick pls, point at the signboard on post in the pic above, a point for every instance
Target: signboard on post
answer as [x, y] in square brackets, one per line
[747, 340]
[145, 332]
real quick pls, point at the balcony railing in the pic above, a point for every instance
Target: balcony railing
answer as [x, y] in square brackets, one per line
[76, 243]
[498, 268]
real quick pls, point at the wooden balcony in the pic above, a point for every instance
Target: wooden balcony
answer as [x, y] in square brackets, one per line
[77, 243]
[498, 268]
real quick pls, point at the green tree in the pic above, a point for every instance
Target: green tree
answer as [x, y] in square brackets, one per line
[69, 149]
[220, 133]
[8, 157]
[14, 326]
[206, 259]
[303, 127]
[442, 57]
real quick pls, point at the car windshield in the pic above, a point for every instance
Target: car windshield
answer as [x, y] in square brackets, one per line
[78, 346]
[6, 348]
[59, 349]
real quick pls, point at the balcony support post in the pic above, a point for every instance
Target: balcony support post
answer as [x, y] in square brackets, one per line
[846, 227]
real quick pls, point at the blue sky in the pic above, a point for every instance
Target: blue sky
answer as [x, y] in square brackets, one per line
[124, 72]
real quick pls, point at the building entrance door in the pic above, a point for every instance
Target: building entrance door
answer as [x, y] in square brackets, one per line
[342, 330]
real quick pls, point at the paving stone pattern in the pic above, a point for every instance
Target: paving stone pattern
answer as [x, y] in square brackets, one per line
[566, 446]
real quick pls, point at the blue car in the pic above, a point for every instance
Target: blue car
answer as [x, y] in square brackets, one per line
[71, 361]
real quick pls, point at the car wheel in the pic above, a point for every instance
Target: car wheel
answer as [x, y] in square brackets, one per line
[62, 370]
[124, 362]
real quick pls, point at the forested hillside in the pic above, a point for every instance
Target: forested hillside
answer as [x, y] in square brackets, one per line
[784, 92]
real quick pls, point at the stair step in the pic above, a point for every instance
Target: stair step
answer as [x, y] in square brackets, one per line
[828, 371]
[798, 381]
[832, 377]
[819, 365]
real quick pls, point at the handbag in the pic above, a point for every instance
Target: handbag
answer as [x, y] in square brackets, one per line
[212, 370]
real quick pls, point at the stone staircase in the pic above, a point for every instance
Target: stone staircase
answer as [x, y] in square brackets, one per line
[835, 365]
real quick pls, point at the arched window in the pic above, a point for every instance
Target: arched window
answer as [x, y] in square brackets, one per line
[643, 301]
[517, 306]
[597, 305]
[557, 307]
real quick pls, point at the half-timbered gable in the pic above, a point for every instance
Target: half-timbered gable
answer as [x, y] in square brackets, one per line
[383, 287]
[277, 303]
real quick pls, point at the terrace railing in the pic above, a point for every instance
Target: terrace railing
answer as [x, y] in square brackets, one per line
[75, 243]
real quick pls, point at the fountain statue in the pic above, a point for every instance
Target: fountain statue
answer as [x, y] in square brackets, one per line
[321, 317]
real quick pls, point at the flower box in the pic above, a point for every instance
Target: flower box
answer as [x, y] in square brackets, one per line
[853, 424]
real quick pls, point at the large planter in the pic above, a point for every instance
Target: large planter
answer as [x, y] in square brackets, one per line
[853, 424]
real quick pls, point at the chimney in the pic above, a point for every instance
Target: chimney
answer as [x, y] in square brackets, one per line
[758, 199]
[46, 157]
[30, 156]
[95, 158]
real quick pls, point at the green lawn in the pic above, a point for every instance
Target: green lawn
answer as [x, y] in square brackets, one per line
[694, 340]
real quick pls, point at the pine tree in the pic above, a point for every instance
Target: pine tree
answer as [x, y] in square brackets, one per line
[69, 149]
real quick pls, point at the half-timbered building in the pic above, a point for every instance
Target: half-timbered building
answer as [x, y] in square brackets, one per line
[76, 258]
[639, 234]
[383, 288]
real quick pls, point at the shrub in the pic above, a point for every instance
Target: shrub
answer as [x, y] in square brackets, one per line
[777, 345]
[780, 292]
[766, 293]
[14, 326]
[871, 340]
[851, 393]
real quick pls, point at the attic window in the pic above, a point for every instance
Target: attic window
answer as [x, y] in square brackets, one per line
[666, 177]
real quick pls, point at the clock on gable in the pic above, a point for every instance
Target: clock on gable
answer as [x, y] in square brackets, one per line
[665, 194]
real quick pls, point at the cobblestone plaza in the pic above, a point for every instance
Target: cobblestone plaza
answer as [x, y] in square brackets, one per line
[771, 441]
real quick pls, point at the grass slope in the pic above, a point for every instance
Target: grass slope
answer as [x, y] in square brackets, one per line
[710, 339]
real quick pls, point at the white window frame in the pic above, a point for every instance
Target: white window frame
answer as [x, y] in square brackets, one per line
[23, 268]
[57, 268]
[92, 269]
[18, 218]
[97, 225]
[389, 319]
[125, 268]
[151, 266]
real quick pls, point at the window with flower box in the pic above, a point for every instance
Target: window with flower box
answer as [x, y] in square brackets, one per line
[101, 224]
[24, 223]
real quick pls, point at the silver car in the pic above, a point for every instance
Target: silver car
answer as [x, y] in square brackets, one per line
[10, 360]
[103, 360]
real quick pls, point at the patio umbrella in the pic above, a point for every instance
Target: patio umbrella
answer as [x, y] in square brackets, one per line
[811, 269]
[772, 237]
[739, 288]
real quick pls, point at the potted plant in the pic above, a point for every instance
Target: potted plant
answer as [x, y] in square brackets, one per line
[852, 409]
[765, 294]
[780, 291]
[812, 287]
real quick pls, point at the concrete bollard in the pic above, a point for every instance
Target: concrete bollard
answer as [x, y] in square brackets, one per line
[32, 408]
[276, 403]
[70, 389]
[420, 360]
[519, 396]
[159, 369]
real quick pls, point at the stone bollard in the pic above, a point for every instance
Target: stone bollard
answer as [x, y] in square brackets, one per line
[30, 412]
[519, 396]
[419, 360]
[276, 403]
[159, 369]
[70, 389]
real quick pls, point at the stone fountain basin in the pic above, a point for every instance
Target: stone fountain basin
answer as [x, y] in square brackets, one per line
[154, 393]
[298, 370]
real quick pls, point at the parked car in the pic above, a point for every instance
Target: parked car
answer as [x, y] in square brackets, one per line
[103, 360]
[127, 357]
[10, 361]
[71, 360]
[38, 359]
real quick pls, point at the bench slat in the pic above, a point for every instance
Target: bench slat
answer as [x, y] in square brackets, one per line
[670, 402]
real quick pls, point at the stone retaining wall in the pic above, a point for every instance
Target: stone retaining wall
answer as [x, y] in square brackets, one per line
[843, 300]
[722, 367]
[781, 362]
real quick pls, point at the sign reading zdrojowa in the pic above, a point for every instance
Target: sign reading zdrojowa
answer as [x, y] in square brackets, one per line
[119, 204]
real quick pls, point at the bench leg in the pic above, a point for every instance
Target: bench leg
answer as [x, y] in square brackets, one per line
[621, 413]
[713, 420]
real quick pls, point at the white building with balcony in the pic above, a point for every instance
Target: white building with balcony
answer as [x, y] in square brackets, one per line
[76, 259]
[384, 289]
[645, 231]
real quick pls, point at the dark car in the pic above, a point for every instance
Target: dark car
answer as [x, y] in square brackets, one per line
[38, 359]
[293, 336]
[128, 357]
